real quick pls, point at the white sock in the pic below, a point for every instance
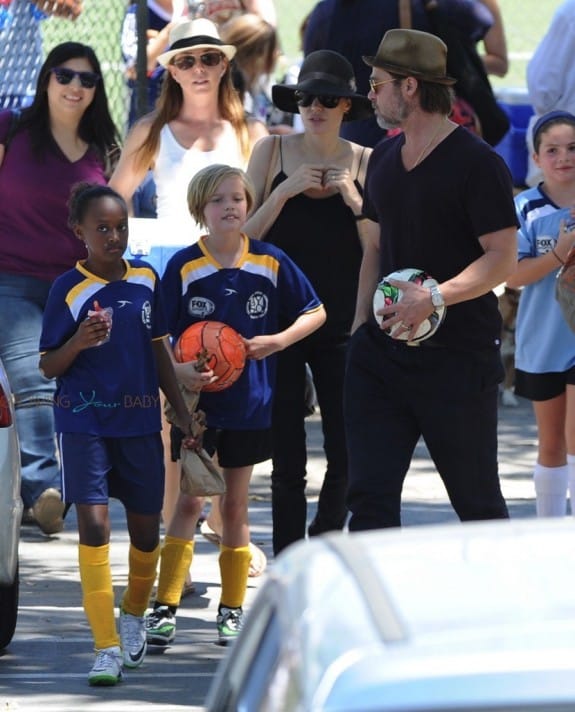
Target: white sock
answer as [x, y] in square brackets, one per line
[551, 490]
[571, 470]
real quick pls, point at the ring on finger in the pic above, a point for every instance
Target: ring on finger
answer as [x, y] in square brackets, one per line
[406, 326]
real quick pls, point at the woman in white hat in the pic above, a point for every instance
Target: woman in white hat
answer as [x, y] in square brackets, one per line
[309, 201]
[199, 120]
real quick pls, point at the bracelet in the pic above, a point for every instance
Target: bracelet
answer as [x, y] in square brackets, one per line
[359, 217]
[557, 256]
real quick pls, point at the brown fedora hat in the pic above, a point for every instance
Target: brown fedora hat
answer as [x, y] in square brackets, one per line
[412, 53]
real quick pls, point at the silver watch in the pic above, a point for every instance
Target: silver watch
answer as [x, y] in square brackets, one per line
[436, 296]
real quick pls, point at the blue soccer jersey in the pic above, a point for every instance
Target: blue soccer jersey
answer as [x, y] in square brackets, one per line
[109, 390]
[263, 294]
[543, 340]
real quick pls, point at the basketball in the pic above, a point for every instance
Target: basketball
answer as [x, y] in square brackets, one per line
[387, 294]
[220, 346]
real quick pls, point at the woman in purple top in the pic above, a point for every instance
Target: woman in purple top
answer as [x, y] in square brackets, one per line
[67, 135]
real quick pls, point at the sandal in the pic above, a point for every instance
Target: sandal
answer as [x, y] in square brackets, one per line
[258, 561]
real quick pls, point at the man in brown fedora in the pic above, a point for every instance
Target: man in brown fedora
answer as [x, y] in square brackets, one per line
[444, 203]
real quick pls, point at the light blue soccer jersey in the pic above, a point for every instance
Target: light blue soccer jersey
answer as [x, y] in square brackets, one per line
[112, 389]
[263, 294]
[543, 341]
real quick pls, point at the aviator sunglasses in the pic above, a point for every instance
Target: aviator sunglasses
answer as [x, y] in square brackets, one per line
[305, 98]
[187, 61]
[64, 76]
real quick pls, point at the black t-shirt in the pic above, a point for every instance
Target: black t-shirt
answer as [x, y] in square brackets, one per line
[432, 216]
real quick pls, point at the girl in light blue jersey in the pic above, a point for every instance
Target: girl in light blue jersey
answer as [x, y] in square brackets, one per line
[545, 345]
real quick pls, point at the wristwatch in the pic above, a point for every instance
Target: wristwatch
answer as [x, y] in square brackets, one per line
[436, 296]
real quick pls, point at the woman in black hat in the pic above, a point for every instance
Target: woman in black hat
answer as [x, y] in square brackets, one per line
[312, 210]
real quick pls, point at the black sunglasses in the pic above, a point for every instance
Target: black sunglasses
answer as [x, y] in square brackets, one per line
[187, 61]
[304, 98]
[64, 76]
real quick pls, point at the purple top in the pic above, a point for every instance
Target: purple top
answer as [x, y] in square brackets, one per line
[35, 239]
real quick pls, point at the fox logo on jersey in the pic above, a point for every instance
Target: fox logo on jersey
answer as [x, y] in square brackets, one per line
[201, 307]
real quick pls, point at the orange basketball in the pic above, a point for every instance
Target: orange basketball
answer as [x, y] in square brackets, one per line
[220, 345]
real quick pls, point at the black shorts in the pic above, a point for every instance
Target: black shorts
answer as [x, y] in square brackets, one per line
[543, 386]
[235, 448]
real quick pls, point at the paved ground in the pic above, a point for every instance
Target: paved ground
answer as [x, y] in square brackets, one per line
[46, 665]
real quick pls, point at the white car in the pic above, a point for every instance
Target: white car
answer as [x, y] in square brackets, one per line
[10, 513]
[467, 617]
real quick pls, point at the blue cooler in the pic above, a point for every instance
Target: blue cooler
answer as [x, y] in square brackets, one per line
[513, 148]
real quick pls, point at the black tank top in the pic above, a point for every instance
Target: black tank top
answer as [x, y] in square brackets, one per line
[320, 235]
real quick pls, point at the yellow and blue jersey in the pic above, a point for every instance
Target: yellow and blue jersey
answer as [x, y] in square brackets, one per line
[263, 294]
[109, 390]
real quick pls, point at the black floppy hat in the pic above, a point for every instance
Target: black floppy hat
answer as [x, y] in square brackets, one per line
[324, 73]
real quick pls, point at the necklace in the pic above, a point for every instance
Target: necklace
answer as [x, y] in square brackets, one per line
[429, 144]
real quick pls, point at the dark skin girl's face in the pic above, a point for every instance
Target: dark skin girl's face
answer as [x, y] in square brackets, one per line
[104, 230]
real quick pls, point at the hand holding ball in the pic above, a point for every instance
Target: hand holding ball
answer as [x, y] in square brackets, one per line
[387, 293]
[219, 346]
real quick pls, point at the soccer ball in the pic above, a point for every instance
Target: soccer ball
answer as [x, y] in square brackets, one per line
[387, 294]
[219, 346]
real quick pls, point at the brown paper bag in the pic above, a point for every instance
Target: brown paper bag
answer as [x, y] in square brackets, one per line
[199, 476]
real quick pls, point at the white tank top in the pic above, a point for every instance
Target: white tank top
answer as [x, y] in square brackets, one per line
[175, 166]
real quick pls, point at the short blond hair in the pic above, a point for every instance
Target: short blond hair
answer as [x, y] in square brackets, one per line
[206, 182]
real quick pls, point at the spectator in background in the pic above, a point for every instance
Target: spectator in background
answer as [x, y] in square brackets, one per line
[67, 135]
[494, 53]
[20, 28]
[354, 28]
[161, 13]
[551, 76]
[220, 11]
[257, 51]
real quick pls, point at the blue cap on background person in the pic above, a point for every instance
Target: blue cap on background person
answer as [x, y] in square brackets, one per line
[551, 116]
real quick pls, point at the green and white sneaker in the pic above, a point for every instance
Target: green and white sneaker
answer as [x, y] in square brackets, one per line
[107, 669]
[229, 622]
[160, 626]
[133, 639]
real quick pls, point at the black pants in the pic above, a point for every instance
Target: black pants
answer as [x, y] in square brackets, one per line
[393, 394]
[289, 504]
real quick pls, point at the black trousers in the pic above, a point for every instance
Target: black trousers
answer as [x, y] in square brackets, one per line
[395, 393]
[289, 503]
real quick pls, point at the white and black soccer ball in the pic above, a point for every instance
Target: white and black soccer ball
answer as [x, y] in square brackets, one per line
[387, 294]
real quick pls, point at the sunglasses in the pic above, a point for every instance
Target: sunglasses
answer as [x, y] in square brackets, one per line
[304, 98]
[64, 76]
[373, 83]
[208, 59]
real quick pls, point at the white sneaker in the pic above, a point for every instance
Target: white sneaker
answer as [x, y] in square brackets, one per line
[133, 639]
[508, 399]
[107, 669]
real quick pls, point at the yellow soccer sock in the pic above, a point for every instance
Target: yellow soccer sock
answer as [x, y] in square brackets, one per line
[234, 569]
[176, 559]
[98, 594]
[141, 577]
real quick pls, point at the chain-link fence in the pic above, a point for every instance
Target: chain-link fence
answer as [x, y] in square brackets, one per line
[26, 34]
